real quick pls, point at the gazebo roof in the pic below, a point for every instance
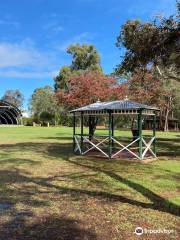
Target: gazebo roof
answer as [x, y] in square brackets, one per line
[122, 106]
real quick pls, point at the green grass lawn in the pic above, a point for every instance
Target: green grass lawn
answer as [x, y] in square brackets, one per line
[47, 192]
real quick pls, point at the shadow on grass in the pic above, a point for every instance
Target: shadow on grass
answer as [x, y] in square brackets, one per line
[17, 162]
[52, 227]
[29, 186]
[158, 202]
[58, 138]
[64, 151]
[168, 147]
[18, 227]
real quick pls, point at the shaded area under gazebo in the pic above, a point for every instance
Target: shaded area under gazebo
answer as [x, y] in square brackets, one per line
[109, 146]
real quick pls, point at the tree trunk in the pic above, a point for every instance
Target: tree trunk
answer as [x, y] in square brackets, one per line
[92, 126]
[134, 131]
[161, 127]
[132, 124]
[168, 108]
[166, 121]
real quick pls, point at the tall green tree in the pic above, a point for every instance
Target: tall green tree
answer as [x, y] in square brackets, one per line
[46, 117]
[84, 58]
[14, 97]
[151, 44]
[44, 100]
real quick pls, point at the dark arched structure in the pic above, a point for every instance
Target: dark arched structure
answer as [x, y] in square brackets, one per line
[9, 114]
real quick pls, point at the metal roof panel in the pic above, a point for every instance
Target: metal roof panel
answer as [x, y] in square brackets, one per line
[114, 105]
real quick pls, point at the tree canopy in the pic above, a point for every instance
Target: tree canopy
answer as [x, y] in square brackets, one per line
[88, 87]
[152, 60]
[14, 97]
[84, 58]
[146, 74]
[43, 100]
[151, 44]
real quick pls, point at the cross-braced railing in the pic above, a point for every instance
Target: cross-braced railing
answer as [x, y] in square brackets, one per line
[111, 147]
[125, 148]
[148, 147]
[101, 145]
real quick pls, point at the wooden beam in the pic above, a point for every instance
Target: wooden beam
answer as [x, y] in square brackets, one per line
[154, 134]
[112, 127]
[74, 130]
[95, 146]
[110, 135]
[148, 147]
[140, 133]
[77, 145]
[82, 123]
[126, 148]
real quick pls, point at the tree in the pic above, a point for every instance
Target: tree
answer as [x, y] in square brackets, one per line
[146, 87]
[44, 100]
[151, 44]
[84, 58]
[170, 96]
[90, 87]
[61, 80]
[14, 97]
[45, 117]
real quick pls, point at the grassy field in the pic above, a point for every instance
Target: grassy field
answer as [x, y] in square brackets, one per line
[47, 192]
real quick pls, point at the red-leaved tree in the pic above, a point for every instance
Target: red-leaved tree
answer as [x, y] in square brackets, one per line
[90, 87]
[144, 87]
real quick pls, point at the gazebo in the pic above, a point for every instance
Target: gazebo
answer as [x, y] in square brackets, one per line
[109, 145]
